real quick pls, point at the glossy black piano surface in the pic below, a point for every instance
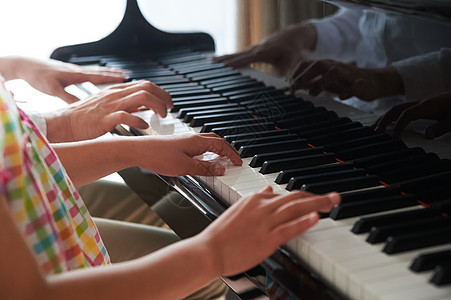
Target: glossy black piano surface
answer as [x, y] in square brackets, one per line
[395, 195]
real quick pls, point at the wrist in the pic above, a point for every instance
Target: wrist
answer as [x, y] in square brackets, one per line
[11, 66]
[389, 81]
[58, 127]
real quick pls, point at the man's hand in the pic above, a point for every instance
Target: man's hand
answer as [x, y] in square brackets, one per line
[346, 80]
[52, 77]
[435, 108]
[100, 113]
[282, 50]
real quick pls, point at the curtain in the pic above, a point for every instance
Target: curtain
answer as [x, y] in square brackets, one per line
[259, 18]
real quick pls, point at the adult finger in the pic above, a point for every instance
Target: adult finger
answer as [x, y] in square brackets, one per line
[133, 102]
[391, 116]
[67, 97]
[408, 115]
[122, 117]
[298, 80]
[143, 85]
[438, 129]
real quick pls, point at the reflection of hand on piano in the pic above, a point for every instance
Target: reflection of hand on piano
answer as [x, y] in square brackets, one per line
[253, 228]
[435, 108]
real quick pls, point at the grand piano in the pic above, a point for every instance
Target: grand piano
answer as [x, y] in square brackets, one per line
[390, 238]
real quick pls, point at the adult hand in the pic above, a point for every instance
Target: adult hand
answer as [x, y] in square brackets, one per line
[346, 80]
[100, 113]
[252, 228]
[436, 108]
[52, 76]
[176, 155]
[282, 50]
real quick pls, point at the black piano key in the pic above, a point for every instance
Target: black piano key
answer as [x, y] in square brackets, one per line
[334, 125]
[213, 75]
[255, 96]
[310, 118]
[326, 123]
[239, 129]
[188, 64]
[211, 125]
[352, 209]
[401, 162]
[233, 116]
[150, 73]
[207, 72]
[370, 149]
[436, 209]
[224, 81]
[380, 233]
[365, 224]
[417, 240]
[284, 112]
[418, 169]
[196, 68]
[182, 112]
[428, 261]
[195, 98]
[190, 115]
[354, 143]
[251, 150]
[277, 165]
[203, 102]
[278, 102]
[167, 80]
[273, 99]
[297, 182]
[285, 175]
[188, 93]
[236, 86]
[259, 159]
[183, 57]
[380, 191]
[251, 135]
[442, 274]
[353, 133]
[181, 86]
[257, 89]
[233, 83]
[261, 140]
[431, 181]
[394, 155]
[342, 185]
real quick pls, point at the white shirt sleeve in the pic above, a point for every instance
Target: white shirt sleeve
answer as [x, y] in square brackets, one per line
[426, 75]
[337, 35]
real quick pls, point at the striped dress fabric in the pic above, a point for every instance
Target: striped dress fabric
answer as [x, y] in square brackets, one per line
[43, 201]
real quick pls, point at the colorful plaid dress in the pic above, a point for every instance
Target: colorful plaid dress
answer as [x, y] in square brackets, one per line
[43, 201]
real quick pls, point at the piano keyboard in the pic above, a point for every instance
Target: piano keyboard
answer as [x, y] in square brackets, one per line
[390, 238]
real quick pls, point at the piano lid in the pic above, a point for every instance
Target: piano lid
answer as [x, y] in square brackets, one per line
[136, 37]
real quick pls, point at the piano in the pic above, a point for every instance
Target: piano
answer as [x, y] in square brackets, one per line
[390, 238]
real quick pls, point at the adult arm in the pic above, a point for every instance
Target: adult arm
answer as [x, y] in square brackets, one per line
[100, 113]
[52, 77]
